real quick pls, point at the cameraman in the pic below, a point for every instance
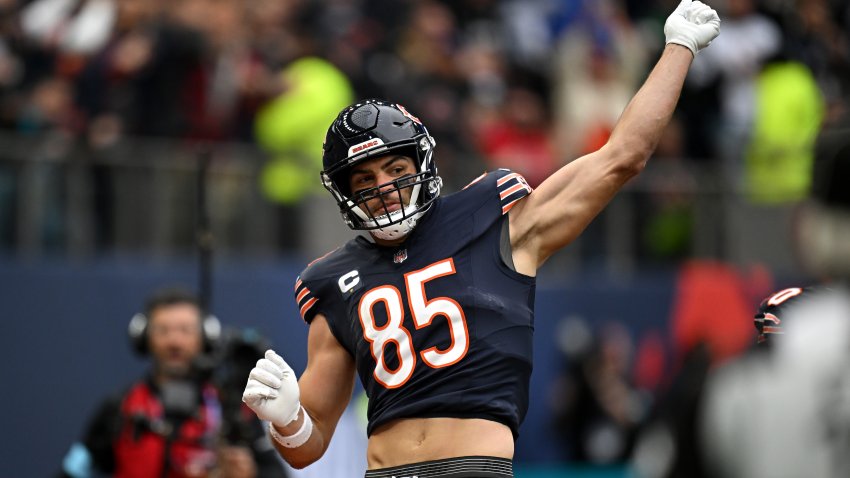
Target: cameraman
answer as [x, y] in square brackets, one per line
[169, 423]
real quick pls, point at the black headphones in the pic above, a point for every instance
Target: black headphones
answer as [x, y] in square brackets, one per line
[138, 327]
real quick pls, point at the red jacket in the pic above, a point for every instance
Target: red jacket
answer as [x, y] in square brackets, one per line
[147, 443]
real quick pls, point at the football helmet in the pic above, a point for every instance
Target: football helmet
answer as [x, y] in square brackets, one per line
[370, 129]
[772, 310]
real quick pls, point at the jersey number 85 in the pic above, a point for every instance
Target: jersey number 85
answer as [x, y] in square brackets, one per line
[423, 312]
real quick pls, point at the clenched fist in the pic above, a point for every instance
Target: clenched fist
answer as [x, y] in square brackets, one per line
[693, 25]
[272, 390]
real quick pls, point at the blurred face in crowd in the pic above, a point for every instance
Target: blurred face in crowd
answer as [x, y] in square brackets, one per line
[378, 171]
[175, 338]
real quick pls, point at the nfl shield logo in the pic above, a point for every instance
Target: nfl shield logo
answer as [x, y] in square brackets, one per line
[400, 256]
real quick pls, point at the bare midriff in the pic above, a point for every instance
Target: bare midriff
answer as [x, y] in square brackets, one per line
[412, 440]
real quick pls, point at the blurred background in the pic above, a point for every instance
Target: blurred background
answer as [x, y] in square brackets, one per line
[145, 141]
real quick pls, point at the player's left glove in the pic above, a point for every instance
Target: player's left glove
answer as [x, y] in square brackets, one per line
[693, 25]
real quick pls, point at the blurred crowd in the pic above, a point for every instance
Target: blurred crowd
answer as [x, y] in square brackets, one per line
[523, 84]
[618, 377]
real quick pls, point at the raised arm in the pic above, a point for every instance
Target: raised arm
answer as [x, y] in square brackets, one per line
[323, 392]
[565, 203]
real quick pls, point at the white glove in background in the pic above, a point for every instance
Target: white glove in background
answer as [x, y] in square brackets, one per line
[693, 25]
[272, 390]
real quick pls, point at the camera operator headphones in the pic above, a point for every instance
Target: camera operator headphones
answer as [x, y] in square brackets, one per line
[138, 327]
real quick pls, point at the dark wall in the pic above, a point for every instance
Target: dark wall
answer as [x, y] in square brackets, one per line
[63, 336]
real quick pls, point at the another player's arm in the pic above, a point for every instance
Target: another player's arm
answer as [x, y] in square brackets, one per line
[565, 203]
[326, 386]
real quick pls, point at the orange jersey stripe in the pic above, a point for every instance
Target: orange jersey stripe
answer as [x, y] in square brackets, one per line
[297, 284]
[506, 179]
[511, 190]
[301, 294]
[307, 306]
[507, 207]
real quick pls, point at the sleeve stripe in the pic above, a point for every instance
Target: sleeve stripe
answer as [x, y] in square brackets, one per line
[505, 179]
[306, 307]
[304, 298]
[511, 190]
[507, 207]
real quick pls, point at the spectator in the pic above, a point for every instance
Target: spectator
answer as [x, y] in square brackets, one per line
[292, 128]
[599, 62]
[749, 39]
[520, 138]
[788, 114]
[816, 34]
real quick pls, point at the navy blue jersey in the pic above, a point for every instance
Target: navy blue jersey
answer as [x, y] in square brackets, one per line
[439, 326]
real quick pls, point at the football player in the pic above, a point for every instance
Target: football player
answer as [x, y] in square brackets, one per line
[433, 308]
[771, 312]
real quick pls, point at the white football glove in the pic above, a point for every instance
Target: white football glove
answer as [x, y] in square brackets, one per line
[693, 25]
[272, 390]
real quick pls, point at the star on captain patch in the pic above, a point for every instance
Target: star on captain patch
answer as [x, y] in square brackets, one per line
[400, 256]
